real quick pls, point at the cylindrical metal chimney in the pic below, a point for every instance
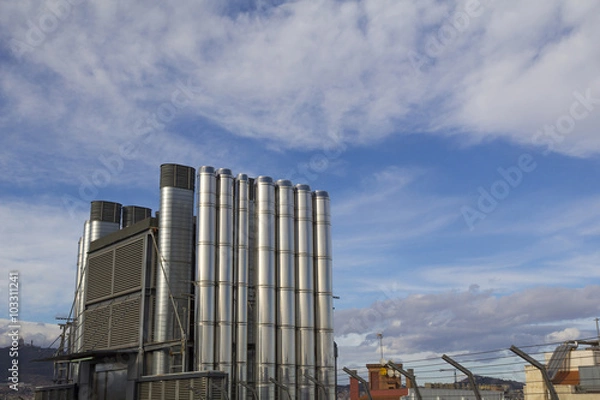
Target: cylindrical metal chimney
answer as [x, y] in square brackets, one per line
[286, 287]
[325, 359]
[205, 269]
[174, 270]
[105, 218]
[134, 214]
[224, 314]
[305, 318]
[242, 233]
[265, 287]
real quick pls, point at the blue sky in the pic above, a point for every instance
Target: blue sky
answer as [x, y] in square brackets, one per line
[458, 141]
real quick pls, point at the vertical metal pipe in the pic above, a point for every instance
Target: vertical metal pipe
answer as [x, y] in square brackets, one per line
[205, 269]
[77, 294]
[305, 319]
[174, 274]
[325, 359]
[286, 288]
[265, 287]
[224, 306]
[242, 277]
[81, 288]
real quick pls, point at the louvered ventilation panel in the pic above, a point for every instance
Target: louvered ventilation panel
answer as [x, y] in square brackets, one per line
[125, 322]
[128, 267]
[96, 322]
[99, 276]
[157, 390]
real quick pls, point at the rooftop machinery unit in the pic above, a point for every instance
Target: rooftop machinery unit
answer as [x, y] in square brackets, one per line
[105, 218]
[247, 291]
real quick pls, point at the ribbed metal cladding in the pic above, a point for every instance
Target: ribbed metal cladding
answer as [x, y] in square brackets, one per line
[305, 317]
[175, 241]
[323, 294]
[286, 287]
[242, 204]
[265, 287]
[105, 218]
[105, 211]
[134, 214]
[224, 311]
[205, 269]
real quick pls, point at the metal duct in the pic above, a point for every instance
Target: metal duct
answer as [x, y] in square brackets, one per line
[134, 214]
[286, 287]
[323, 294]
[265, 287]
[174, 273]
[305, 319]
[224, 309]
[105, 218]
[242, 204]
[205, 269]
[81, 286]
[78, 299]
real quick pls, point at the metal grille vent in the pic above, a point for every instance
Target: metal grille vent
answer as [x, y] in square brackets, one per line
[134, 214]
[184, 388]
[178, 176]
[100, 271]
[105, 211]
[115, 271]
[170, 388]
[125, 321]
[128, 266]
[95, 332]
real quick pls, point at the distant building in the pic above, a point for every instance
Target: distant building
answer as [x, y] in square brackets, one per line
[452, 394]
[384, 384]
[574, 373]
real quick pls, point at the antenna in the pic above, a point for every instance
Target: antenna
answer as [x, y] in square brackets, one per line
[380, 336]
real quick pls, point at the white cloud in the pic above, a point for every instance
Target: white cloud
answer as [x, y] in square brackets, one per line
[41, 334]
[42, 248]
[461, 321]
[301, 73]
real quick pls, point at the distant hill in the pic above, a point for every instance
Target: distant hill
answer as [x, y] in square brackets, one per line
[31, 373]
[486, 380]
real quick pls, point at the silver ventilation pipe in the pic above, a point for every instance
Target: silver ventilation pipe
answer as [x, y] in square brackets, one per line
[174, 270]
[305, 318]
[242, 205]
[204, 342]
[105, 218]
[81, 284]
[265, 287]
[286, 287]
[224, 309]
[134, 214]
[323, 294]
